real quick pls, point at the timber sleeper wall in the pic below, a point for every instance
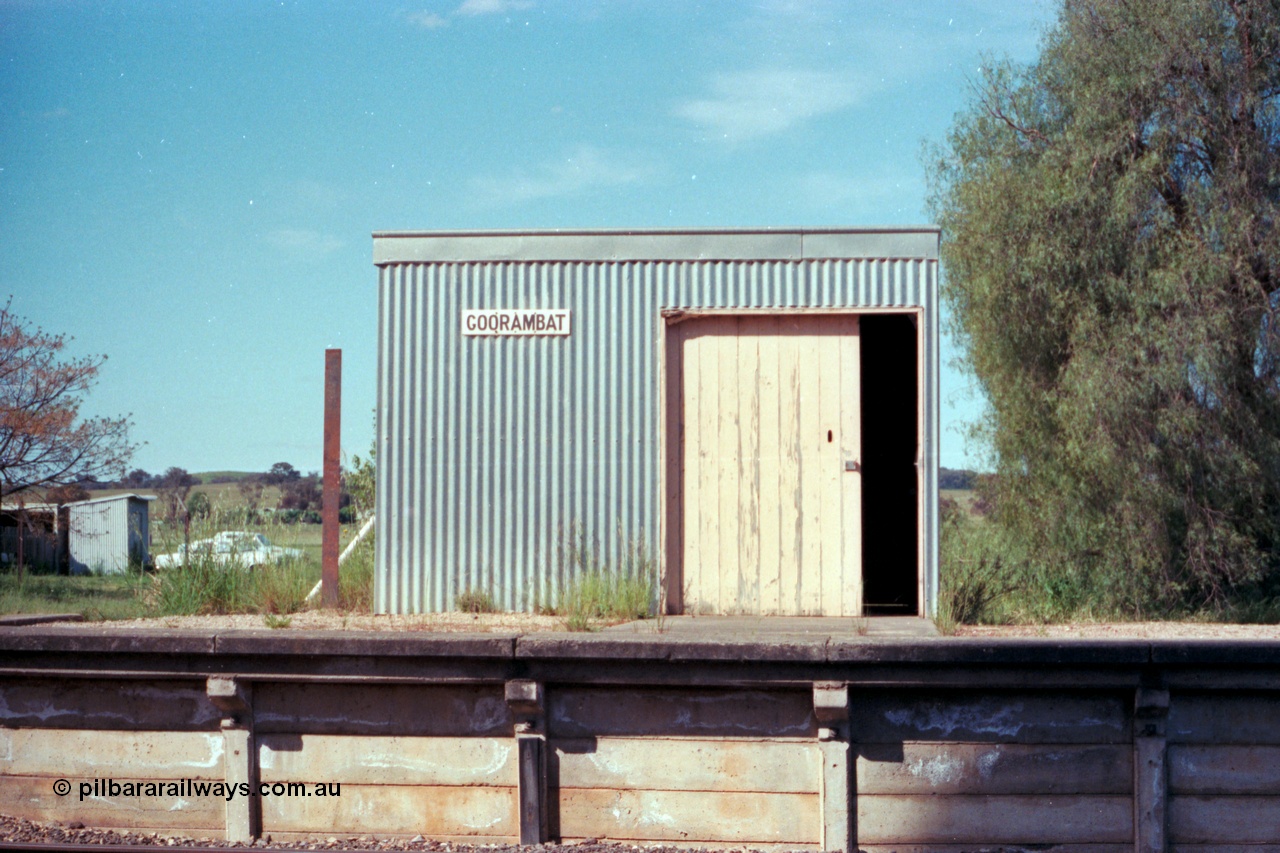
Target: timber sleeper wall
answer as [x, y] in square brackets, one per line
[923, 746]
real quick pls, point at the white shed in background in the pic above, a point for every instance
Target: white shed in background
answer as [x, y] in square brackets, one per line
[106, 535]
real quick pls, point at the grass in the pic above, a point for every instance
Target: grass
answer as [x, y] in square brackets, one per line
[200, 587]
[94, 598]
[964, 498]
[989, 577]
[984, 576]
[475, 601]
[355, 578]
[600, 594]
[206, 587]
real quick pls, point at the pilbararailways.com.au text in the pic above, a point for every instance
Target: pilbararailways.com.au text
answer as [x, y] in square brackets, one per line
[99, 788]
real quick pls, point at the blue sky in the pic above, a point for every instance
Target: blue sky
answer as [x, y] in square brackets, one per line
[190, 187]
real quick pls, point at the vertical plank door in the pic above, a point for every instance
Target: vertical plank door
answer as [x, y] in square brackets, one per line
[770, 509]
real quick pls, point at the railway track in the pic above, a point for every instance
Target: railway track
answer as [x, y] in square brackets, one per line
[22, 836]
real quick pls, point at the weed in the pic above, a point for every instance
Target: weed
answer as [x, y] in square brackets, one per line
[282, 588]
[978, 571]
[273, 620]
[974, 586]
[475, 601]
[944, 622]
[355, 582]
[598, 593]
[204, 585]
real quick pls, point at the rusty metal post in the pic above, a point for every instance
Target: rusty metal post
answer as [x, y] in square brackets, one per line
[332, 473]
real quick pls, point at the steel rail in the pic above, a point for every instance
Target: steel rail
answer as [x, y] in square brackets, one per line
[77, 847]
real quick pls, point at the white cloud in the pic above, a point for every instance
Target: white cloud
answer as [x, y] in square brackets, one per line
[749, 104]
[586, 168]
[303, 241]
[492, 7]
[428, 20]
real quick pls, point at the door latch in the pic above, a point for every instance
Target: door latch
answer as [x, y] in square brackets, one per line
[852, 465]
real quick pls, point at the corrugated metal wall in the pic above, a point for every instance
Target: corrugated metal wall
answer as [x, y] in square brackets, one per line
[105, 533]
[492, 450]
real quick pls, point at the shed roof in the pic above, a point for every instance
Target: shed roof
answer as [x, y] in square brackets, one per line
[109, 498]
[687, 244]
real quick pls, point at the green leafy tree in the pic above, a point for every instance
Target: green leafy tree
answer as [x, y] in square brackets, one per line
[174, 485]
[199, 505]
[361, 481]
[1111, 248]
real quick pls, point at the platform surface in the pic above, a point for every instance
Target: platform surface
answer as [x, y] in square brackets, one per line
[781, 628]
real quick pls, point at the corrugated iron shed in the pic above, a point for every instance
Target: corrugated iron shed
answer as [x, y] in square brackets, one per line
[107, 535]
[494, 451]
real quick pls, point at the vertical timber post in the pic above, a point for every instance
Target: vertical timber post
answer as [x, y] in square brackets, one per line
[234, 699]
[839, 810]
[1150, 773]
[332, 474]
[525, 700]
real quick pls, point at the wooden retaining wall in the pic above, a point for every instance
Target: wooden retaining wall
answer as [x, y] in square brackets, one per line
[923, 746]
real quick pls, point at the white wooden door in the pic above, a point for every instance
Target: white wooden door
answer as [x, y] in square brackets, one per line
[770, 492]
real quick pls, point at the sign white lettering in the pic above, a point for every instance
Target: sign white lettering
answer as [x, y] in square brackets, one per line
[515, 321]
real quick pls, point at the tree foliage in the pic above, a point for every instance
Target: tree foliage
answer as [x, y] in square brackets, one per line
[1111, 247]
[43, 439]
[281, 473]
[174, 487]
[301, 493]
[361, 481]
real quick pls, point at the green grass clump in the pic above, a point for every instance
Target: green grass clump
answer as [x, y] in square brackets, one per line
[475, 601]
[605, 597]
[598, 593]
[204, 586]
[979, 570]
[355, 579]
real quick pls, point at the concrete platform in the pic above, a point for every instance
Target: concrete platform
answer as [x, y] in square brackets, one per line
[765, 629]
[18, 620]
[786, 734]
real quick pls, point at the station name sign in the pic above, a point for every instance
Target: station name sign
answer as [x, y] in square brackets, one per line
[515, 321]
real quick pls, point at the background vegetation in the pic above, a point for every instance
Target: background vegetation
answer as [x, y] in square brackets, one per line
[1111, 249]
[200, 587]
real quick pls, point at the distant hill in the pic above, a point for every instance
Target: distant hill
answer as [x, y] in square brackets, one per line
[208, 477]
[956, 478]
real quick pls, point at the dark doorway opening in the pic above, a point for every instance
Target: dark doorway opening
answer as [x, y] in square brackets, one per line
[890, 441]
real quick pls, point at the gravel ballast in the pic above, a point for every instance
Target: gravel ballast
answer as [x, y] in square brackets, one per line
[18, 831]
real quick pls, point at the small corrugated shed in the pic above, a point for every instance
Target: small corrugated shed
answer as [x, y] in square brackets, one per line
[753, 410]
[33, 531]
[107, 535]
